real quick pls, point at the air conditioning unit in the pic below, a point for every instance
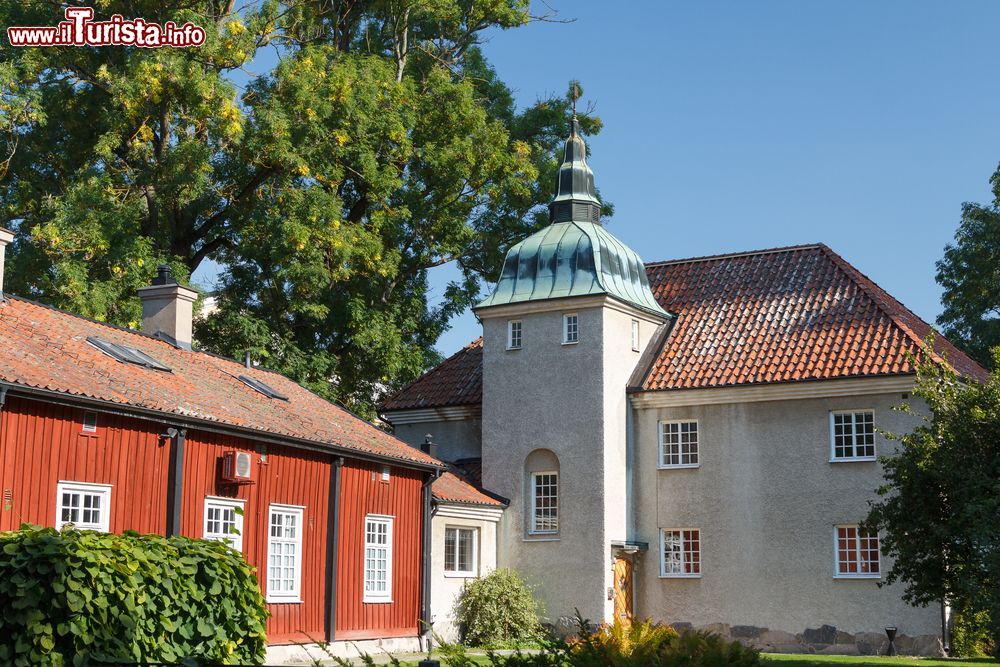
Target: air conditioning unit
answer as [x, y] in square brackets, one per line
[237, 467]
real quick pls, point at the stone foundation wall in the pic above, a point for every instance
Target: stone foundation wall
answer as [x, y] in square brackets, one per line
[825, 639]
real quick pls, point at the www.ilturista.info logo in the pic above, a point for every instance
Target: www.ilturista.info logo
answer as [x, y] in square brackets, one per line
[80, 30]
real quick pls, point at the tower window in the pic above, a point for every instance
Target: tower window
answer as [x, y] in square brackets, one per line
[571, 329]
[635, 335]
[544, 502]
[513, 334]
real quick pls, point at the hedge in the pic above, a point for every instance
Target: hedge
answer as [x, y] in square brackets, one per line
[75, 597]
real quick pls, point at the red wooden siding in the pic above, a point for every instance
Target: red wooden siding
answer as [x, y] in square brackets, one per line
[288, 477]
[401, 498]
[43, 443]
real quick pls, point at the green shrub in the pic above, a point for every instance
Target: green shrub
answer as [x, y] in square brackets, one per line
[497, 610]
[971, 636]
[74, 597]
[631, 644]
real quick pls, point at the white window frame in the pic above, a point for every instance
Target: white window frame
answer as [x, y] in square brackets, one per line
[474, 561]
[661, 434]
[663, 561]
[103, 491]
[858, 551]
[295, 593]
[532, 525]
[235, 539]
[854, 443]
[576, 329]
[513, 344]
[377, 597]
[635, 335]
[386, 474]
[89, 426]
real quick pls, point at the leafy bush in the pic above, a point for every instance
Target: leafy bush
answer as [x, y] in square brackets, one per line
[636, 642]
[971, 637]
[629, 644]
[73, 596]
[498, 610]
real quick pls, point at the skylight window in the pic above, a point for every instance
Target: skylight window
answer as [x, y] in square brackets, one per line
[126, 354]
[262, 388]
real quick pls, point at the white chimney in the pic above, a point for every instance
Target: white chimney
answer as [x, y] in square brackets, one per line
[6, 236]
[168, 309]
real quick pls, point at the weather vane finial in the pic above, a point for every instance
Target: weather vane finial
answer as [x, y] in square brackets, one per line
[574, 94]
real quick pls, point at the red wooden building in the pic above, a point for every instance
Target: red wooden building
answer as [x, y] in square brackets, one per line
[112, 429]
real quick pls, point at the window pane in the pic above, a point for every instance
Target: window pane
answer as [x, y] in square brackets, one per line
[449, 550]
[465, 550]
[546, 503]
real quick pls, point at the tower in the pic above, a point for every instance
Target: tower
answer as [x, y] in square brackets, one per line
[563, 331]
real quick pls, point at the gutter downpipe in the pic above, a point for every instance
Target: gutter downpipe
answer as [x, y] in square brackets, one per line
[426, 620]
[332, 545]
[175, 480]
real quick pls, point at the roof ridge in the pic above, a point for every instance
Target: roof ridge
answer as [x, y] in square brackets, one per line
[732, 255]
[882, 298]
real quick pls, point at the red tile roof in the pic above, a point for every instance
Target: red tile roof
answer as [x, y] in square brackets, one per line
[783, 315]
[780, 315]
[452, 487]
[47, 349]
[458, 380]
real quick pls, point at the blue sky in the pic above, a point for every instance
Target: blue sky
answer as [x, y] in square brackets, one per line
[733, 126]
[739, 125]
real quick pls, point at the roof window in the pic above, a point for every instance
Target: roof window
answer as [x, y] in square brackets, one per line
[262, 388]
[126, 354]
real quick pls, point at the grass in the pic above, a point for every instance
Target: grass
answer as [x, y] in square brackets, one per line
[788, 660]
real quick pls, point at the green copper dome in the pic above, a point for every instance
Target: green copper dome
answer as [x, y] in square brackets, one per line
[574, 255]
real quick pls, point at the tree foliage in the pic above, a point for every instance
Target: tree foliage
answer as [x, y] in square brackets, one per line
[939, 506]
[379, 145]
[970, 276]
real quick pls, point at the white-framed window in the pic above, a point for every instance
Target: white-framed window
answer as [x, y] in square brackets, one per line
[514, 328]
[224, 521]
[461, 551]
[386, 473]
[544, 503]
[284, 553]
[571, 329]
[679, 444]
[89, 422]
[856, 552]
[852, 435]
[635, 335]
[378, 558]
[680, 552]
[86, 506]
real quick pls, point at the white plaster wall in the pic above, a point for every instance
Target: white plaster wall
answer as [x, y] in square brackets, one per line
[766, 498]
[455, 439]
[446, 588]
[569, 399]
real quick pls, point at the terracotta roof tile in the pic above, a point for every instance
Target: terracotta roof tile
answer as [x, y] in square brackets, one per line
[44, 348]
[458, 380]
[453, 487]
[781, 315]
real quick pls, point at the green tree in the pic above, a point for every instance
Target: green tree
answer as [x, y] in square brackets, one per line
[381, 145]
[939, 506]
[970, 276]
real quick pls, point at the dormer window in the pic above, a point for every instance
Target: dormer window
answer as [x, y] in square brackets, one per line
[514, 334]
[571, 329]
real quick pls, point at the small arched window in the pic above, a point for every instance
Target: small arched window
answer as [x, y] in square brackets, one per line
[541, 470]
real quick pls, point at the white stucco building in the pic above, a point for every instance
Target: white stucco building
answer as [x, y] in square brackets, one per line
[693, 441]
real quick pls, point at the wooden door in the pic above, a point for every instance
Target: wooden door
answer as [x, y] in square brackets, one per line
[623, 589]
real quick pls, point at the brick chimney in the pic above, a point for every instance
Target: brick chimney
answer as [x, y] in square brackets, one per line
[6, 236]
[168, 309]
